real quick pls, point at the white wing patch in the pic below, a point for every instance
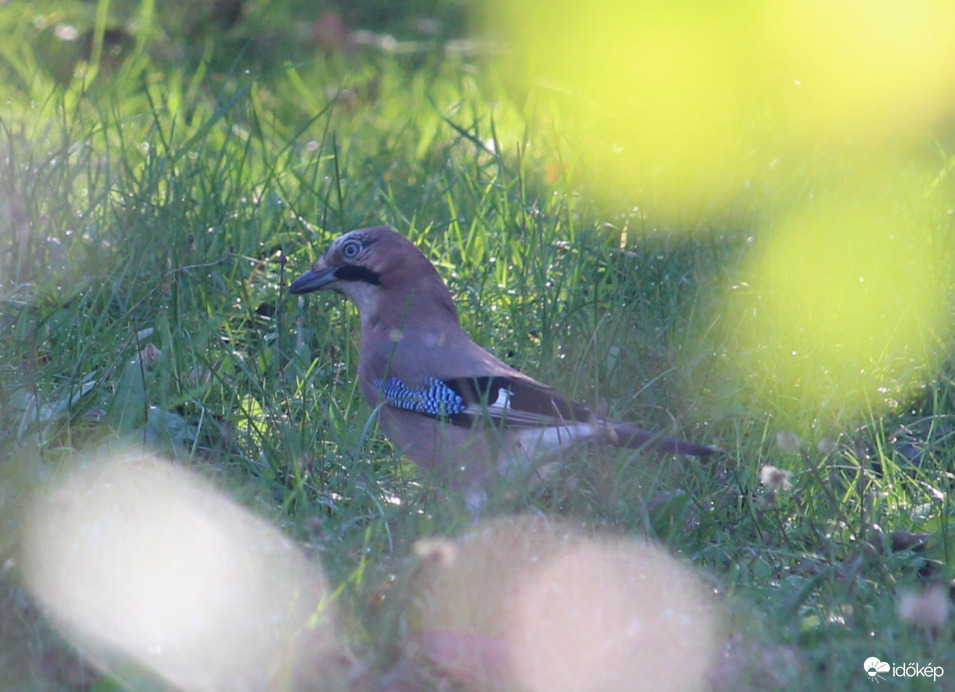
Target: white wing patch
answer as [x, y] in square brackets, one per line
[534, 445]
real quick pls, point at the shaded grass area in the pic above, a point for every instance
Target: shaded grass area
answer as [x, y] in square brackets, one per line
[149, 228]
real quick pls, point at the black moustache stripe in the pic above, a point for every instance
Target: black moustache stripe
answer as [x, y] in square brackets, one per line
[352, 272]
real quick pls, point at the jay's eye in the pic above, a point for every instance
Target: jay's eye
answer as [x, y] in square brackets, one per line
[351, 249]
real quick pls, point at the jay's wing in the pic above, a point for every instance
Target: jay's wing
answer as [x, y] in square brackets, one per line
[507, 402]
[519, 403]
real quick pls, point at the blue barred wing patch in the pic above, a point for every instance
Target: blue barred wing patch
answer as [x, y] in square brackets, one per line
[437, 400]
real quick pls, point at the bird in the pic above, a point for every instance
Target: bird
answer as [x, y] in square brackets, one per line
[443, 400]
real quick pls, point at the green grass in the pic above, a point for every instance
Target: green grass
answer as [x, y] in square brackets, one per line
[169, 204]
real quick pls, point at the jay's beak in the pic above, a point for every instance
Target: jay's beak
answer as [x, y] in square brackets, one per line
[313, 280]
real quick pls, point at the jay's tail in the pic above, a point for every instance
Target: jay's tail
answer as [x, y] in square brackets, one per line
[631, 436]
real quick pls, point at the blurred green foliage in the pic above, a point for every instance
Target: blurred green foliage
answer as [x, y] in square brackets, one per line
[261, 35]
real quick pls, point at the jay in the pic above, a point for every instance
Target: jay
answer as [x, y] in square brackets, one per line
[444, 401]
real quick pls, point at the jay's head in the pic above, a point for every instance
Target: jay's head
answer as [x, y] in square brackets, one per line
[369, 263]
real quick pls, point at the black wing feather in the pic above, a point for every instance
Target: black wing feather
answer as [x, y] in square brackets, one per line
[529, 404]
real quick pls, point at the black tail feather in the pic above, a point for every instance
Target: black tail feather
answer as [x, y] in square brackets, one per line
[632, 437]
